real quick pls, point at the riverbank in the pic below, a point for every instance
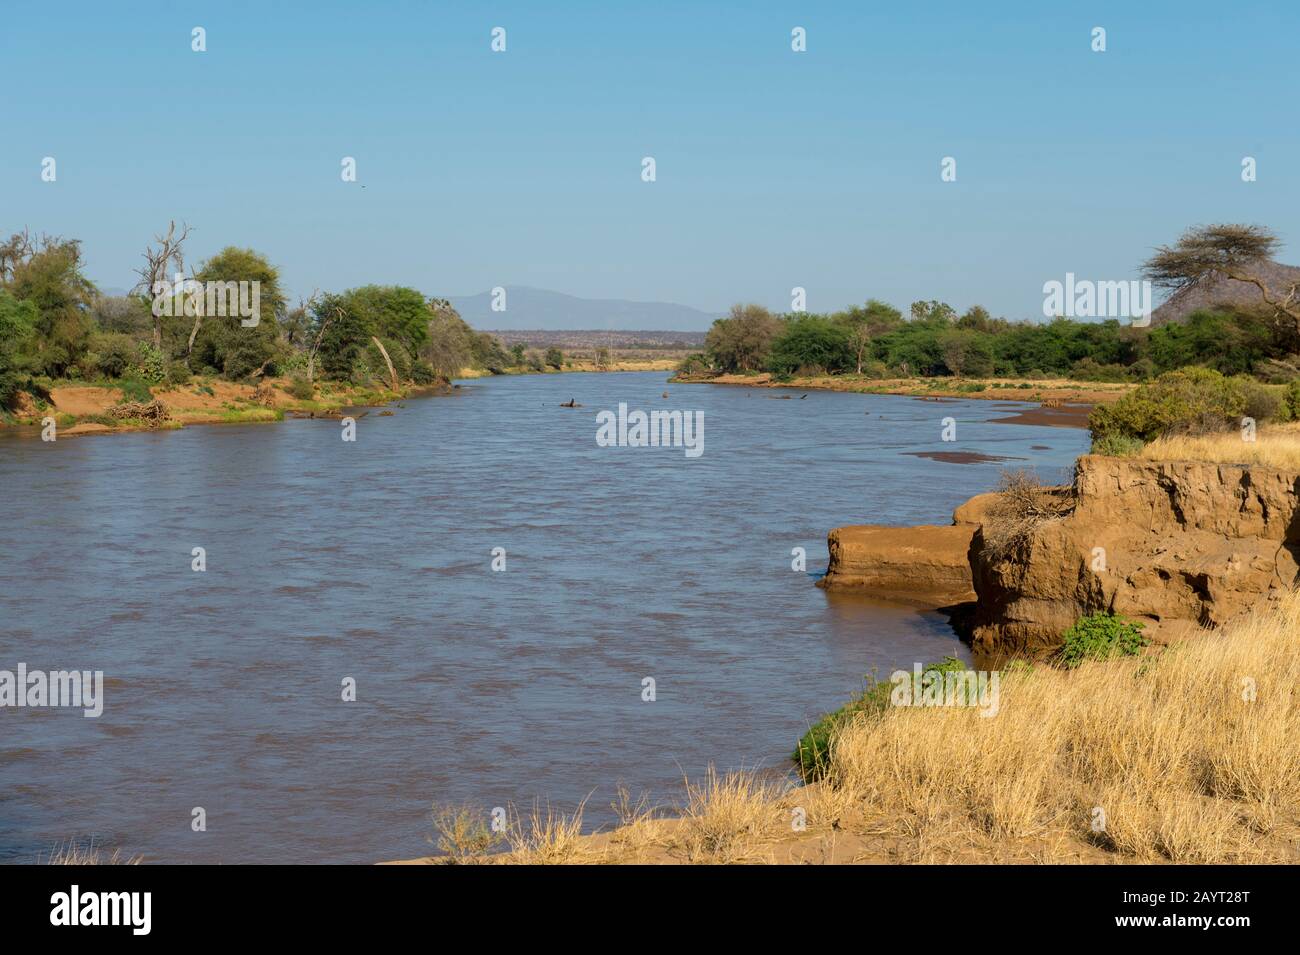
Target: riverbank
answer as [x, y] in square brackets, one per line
[1191, 771]
[1063, 403]
[106, 408]
[82, 409]
[582, 365]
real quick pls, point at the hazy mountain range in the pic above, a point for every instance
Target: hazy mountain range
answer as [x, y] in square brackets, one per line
[535, 308]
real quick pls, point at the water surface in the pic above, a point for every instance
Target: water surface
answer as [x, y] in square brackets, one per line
[372, 560]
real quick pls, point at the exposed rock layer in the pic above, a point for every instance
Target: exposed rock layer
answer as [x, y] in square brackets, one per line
[1177, 545]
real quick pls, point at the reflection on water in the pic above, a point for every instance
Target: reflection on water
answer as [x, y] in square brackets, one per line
[328, 560]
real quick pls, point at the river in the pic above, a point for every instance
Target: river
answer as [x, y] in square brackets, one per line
[371, 561]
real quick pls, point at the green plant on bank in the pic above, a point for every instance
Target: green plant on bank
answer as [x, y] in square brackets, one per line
[133, 389]
[1100, 636]
[812, 754]
[1190, 400]
[1117, 445]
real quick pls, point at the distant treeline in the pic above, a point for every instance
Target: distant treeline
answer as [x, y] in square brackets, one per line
[56, 325]
[876, 340]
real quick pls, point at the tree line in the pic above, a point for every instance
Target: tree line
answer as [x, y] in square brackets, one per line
[878, 341]
[55, 324]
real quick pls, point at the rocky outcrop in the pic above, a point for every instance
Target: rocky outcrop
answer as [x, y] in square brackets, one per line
[1176, 545]
[927, 565]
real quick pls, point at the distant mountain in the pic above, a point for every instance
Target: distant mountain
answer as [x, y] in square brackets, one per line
[535, 308]
[1220, 290]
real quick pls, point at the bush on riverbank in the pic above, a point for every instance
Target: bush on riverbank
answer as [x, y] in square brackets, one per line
[1189, 401]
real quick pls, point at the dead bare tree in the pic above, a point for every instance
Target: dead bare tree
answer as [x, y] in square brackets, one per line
[328, 317]
[13, 253]
[169, 252]
[1233, 251]
[392, 375]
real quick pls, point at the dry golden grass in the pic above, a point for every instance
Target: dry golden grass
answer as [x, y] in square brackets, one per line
[1275, 446]
[1188, 756]
[73, 854]
[547, 838]
[727, 818]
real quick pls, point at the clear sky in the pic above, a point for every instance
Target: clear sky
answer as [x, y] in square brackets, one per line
[774, 168]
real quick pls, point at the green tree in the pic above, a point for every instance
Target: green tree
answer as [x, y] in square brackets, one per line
[223, 341]
[17, 324]
[811, 341]
[50, 279]
[742, 340]
[555, 358]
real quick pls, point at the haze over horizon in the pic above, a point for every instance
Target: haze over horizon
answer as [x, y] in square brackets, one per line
[775, 169]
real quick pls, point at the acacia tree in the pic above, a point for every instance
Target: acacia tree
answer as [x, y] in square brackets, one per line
[170, 252]
[1232, 251]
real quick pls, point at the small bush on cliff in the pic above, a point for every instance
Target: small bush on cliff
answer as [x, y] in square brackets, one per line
[1117, 445]
[1100, 636]
[1023, 503]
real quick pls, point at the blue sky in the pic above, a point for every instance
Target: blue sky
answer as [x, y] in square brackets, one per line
[775, 169]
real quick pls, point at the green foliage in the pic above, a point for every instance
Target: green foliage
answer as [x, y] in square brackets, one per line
[517, 354]
[743, 340]
[114, 354]
[696, 364]
[51, 280]
[150, 364]
[1193, 399]
[1117, 445]
[224, 342]
[812, 754]
[133, 389]
[1100, 636]
[17, 324]
[811, 340]
[554, 358]
[302, 389]
[178, 373]
[422, 372]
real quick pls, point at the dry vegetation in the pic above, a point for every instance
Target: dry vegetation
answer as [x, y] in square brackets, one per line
[1187, 756]
[1022, 504]
[1275, 446]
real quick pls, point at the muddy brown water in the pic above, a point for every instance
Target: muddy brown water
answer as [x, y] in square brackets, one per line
[372, 561]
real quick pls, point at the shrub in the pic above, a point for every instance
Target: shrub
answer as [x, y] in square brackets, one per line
[150, 363]
[133, 389]
[1188, 400]
[1100, 636]
[1023, 503]
[1117, 445]
[875, 370]
[555, 358]
[116, 353]
[1263, 402]
[1291, 399]
[302, 389]
[696, 364]
[178, 373]
[422, 372]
